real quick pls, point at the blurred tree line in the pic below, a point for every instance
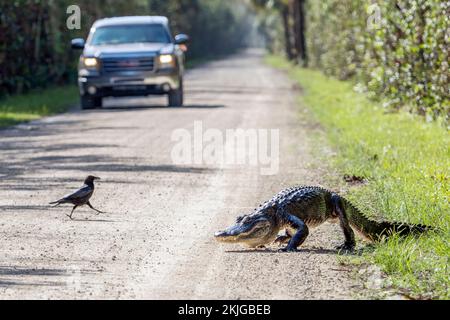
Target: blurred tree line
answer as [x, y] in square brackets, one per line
[397, 50]
[35, 41]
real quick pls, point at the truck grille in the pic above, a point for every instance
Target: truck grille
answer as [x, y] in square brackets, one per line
[113, 65]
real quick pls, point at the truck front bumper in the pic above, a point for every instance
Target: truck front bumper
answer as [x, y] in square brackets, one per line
[128, 84]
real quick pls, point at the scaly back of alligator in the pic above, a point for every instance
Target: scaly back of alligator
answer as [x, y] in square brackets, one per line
[374, 230]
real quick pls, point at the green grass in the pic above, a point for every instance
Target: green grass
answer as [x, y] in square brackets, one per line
[34, 105]
[406, 162]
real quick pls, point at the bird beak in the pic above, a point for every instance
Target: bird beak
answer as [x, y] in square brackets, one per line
[97, 178]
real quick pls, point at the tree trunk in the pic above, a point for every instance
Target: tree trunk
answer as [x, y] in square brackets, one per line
[302, 34]
[299, 31]
[38, 34]
[287, 32]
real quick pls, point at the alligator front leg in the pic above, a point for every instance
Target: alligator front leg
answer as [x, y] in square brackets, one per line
[301, 233]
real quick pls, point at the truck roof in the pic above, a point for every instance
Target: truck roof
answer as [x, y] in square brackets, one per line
[130, 20]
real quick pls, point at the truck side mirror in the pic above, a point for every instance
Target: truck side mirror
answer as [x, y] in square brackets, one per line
[78, 43]
[181, 39]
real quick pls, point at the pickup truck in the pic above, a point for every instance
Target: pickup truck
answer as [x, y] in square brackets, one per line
[131, 56]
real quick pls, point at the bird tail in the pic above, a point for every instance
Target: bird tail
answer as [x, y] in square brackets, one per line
[376, 230]
[56, 203]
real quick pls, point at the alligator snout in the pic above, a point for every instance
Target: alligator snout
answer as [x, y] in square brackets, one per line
[222, 236]
[219, 234]
[229, 234]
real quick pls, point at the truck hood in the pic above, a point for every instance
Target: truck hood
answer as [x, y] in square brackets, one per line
[128, 49]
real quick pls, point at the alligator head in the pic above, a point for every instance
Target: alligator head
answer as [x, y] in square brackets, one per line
[254, 230]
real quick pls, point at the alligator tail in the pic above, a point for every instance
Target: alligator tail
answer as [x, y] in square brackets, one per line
[402, 229]
[374, 230]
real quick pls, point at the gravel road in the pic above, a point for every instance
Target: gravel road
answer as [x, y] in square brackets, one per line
[156, 239]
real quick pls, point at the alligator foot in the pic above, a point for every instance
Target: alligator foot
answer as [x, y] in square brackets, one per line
[346, 247]
[280, 240]
[287, 249]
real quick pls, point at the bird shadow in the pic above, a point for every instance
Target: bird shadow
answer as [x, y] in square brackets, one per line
[91, 220]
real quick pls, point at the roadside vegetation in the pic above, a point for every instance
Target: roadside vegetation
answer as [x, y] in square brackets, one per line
[397, 50]
[36, 104]
[402, 164]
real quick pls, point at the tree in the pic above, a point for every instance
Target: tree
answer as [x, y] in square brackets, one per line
[293, 17]
[300, 30]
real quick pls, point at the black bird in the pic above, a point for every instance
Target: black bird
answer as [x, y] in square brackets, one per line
[81, 196]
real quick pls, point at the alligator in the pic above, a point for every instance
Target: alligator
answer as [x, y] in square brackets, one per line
[299, 208]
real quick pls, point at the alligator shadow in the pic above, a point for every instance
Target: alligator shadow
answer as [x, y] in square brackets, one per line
[357, 252]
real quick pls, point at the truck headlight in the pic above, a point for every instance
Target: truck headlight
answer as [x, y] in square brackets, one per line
[91, 63]
[166, 59]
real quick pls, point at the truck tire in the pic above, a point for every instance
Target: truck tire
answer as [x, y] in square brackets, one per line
[176, 96]
[91, 102]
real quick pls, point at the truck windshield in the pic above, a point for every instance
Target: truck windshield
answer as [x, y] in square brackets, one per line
[130, 34]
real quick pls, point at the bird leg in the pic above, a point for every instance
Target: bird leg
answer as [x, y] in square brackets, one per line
[90, 206]
[70, 216]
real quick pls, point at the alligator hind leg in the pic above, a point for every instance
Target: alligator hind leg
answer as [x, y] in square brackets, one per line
[349, 243]
[300, 235]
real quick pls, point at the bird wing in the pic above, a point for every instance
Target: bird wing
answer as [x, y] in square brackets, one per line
[82, 193]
